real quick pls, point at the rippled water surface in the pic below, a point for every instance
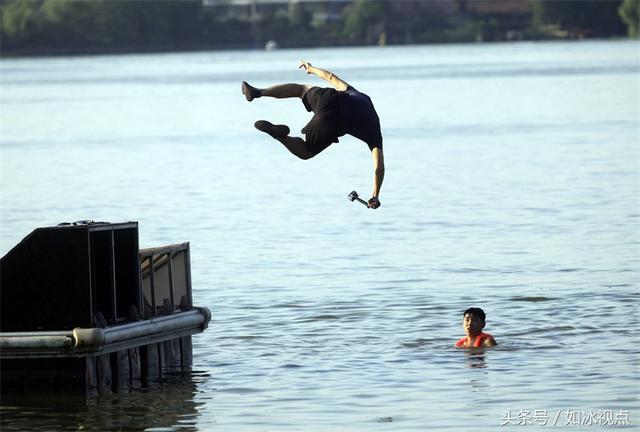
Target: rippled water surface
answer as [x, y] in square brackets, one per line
[512, 184]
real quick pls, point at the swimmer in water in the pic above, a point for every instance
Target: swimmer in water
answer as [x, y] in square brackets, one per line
[473, 322]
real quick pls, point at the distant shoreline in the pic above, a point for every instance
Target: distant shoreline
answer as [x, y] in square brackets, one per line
[13, 53]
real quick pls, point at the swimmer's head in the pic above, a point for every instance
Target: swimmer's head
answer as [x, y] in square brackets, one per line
[473, 321]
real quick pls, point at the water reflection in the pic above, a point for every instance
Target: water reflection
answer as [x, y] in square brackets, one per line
[475, 358]
[169, 405]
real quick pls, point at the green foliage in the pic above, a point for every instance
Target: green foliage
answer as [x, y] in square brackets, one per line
[630, 13]
[101, 23]
[363, 19]
[537, 13]
[299, 17]
[468, 31]
[20, 19]
[593, 17]
[69, 21]
[50, 26]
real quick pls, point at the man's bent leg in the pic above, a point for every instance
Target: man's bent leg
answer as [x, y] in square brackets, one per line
[297, 146]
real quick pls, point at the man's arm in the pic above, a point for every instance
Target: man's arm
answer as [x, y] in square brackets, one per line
[378, 176]
[330, 77]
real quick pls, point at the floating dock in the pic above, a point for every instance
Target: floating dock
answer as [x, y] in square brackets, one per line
[83, 306]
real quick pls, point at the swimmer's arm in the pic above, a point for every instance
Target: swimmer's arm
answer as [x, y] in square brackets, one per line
[330, 77]
[378, 176]
[490, 342]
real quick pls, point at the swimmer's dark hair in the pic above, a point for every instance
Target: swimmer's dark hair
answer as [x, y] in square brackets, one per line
[477, 312]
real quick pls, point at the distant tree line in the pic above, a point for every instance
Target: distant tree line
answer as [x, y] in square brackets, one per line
[81, 26]
[592, 18]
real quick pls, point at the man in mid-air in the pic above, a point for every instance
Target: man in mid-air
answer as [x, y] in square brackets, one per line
[337, 111]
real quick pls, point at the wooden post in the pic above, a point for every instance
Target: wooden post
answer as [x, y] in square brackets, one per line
[123, 370]
[135, 366]
[162, 358]
[172, 355]
[186, 353]
[104, 371]
[91, 373]
[151, 363]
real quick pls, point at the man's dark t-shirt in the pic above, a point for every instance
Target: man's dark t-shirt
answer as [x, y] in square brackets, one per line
[337, 113]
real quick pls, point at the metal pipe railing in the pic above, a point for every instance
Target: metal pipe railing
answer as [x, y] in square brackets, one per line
[26, 340]
[82, 342]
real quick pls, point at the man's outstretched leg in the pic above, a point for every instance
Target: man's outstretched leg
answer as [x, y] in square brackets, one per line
[295, 145]
[279, 91]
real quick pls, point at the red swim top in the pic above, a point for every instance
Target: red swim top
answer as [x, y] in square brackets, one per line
[477, 343]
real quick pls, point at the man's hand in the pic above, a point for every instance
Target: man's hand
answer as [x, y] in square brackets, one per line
[331, 78]
[373, 203]
[306, 66]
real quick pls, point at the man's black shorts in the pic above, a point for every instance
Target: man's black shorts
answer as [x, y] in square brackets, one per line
[326, 125]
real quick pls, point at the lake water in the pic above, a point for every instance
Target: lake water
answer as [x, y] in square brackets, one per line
[513, 184]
